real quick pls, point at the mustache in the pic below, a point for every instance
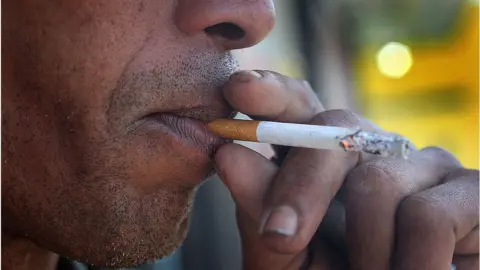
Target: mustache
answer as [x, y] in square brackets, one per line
[182, 81]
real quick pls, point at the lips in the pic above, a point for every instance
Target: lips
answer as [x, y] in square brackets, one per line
[190, 131]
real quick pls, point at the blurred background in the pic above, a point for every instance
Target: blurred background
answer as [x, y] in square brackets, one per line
[411, 66]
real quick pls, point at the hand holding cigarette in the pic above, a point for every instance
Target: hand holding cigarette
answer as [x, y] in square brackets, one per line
[285, 207]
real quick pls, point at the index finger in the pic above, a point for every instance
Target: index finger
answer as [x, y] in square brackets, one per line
[266, 95]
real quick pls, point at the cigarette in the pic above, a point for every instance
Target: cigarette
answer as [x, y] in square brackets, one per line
[312, 136]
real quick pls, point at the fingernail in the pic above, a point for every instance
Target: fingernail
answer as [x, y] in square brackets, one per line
[245, 75]
[281, 220]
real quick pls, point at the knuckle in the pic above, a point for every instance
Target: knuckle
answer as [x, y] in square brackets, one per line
[302, 180]
[421, 211]
[373, 178]
[441, 154]
[462, 173]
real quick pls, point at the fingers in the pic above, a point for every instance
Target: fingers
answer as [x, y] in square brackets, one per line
[266, 95]
[431, 222]
[248, 175]
[371, 196]
[297, 195]
[257, 256]
[304, 187]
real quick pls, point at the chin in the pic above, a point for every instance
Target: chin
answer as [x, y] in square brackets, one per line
[151, 234]
[115, 229]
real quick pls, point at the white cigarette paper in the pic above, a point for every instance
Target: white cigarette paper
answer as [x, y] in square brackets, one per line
[312, 136]
[334, 138]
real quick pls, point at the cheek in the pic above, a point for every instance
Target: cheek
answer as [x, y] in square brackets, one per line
[76, 50]
[62, 61]
[64, 168]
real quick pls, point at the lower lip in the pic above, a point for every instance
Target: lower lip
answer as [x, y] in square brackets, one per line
[191, 131]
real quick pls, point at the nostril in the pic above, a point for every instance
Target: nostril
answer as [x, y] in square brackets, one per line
[226, 30]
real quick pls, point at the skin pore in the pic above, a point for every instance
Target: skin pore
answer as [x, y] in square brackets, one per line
[82, 176]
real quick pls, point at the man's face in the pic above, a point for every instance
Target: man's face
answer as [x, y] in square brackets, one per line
[97, 163]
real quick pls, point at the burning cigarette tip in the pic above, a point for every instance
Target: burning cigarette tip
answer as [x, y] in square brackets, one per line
[377, 144]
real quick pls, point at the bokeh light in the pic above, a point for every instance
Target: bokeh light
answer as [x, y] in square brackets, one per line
[394, 60]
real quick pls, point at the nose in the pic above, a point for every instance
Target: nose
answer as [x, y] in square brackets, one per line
[233, 24]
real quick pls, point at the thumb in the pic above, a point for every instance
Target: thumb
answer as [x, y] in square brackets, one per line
[248, 175]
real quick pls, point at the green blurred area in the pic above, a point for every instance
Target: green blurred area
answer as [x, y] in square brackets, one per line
[411, 66]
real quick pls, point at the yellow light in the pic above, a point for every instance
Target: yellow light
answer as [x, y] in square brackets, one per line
[394, 60]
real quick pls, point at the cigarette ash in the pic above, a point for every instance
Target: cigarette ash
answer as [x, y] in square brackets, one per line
[377, 144]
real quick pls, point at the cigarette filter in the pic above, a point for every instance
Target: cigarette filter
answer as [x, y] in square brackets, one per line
[312, 136]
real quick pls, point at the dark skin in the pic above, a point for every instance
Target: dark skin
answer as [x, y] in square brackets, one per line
[83, 178]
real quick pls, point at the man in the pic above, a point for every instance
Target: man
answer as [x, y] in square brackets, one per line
[104, 105]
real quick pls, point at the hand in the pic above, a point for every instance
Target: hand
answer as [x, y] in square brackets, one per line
[384, 213]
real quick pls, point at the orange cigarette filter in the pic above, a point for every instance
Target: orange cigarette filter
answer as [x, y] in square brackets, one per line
[235, 129]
